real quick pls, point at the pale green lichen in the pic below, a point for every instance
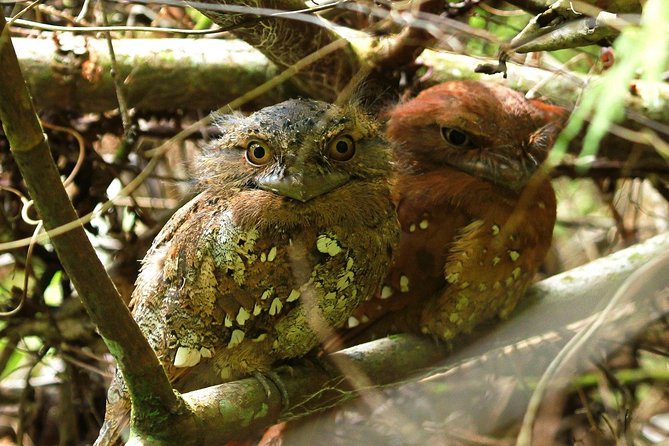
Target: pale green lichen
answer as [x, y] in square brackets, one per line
[293, 296]
[327, 244]
[462, 303]
[404, 284]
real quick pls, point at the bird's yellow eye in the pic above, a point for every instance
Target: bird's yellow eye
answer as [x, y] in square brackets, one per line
[455, 137]
[342, 148]
[258, 154]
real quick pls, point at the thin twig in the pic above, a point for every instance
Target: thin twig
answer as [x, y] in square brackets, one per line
[83, 12]
[25, 395]
[23, 11]
[81, 145]
[501, 12]
[120, 94]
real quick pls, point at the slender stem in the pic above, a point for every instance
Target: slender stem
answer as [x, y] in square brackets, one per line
[120, 94]
[145, 376]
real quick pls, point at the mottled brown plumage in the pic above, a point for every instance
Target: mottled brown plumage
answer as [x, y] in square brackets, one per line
[292, 230]
[476, 212]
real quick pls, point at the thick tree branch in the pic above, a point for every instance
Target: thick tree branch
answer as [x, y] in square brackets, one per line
[221, 70]
[567, 300]
[241, 408]
[158, 74]
[144, 374]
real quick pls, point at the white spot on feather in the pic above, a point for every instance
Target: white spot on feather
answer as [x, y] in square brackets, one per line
[327, 245]
[242, 316]
[275, 307]
[345, 280]
[293, 296]
[236, 338]
[272, 254]
[261, 337]
[186, 357]
[386, 292]
[226, 373]
[205, 352]
[404, 283]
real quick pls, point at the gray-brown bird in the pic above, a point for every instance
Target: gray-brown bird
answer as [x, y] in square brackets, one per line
[293, 228]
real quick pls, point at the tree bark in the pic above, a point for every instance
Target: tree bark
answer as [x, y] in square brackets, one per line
[158, 74]
[169, 74]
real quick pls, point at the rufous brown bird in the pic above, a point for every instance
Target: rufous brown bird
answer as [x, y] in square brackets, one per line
[477, 212]
[293, 228]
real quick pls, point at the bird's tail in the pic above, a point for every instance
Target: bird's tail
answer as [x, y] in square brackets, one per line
[117, 414]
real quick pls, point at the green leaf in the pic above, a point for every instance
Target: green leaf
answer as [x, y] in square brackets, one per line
[642, 49]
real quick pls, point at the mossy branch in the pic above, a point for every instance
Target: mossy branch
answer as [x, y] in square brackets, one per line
[169, 74]
[158, 74]
[241, 408]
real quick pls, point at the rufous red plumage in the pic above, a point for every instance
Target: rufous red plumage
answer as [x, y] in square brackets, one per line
[477, 211]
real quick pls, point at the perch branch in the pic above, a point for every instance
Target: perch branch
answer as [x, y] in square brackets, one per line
[240, 408]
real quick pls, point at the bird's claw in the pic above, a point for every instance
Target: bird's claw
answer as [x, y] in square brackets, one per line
[270, 380]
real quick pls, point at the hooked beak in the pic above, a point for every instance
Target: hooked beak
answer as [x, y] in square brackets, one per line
[302, 186]
[514, 164]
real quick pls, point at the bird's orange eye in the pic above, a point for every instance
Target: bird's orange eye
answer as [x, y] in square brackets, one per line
[258, 154]
[455, 137]
[342, 148]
